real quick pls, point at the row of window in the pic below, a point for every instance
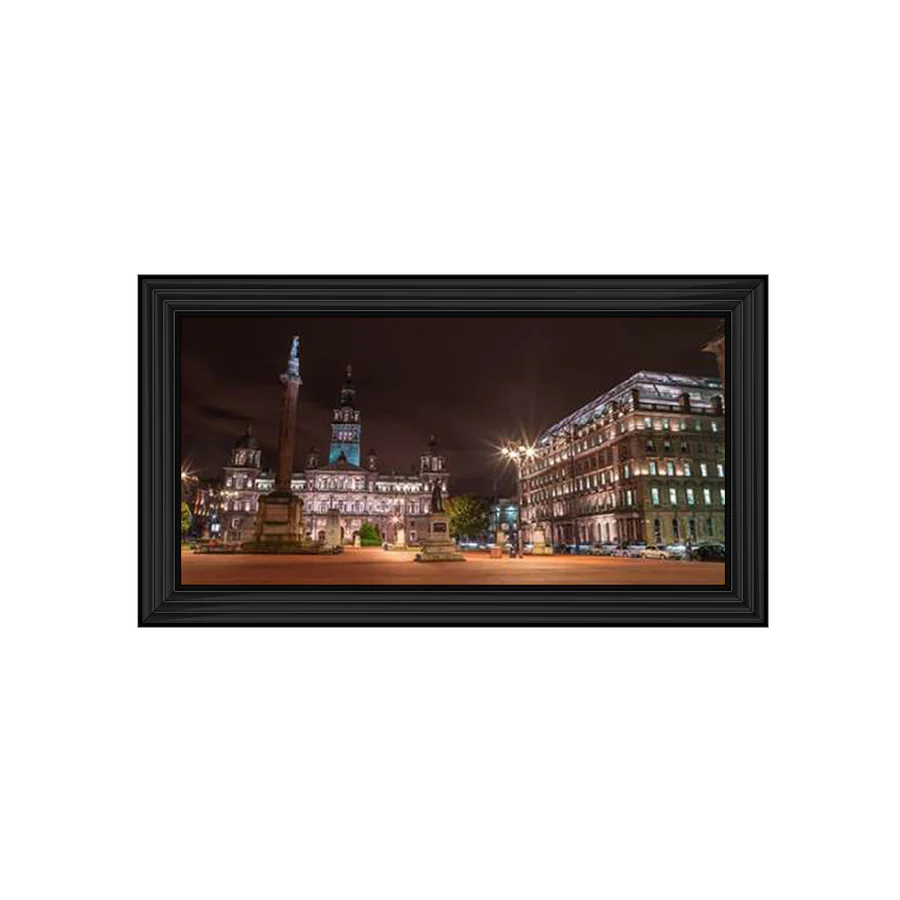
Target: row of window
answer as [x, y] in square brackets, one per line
[689, 496]
[690, 528]
[608, 502]
[241, 483]
[668, 468]
[649, 423]
[411, 508]
[610, 477]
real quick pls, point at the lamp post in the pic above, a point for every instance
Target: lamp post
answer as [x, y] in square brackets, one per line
[518, 453]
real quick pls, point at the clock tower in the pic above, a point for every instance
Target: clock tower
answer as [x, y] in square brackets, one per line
[345, 426]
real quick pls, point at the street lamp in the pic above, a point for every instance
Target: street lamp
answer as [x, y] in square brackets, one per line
[518, 453]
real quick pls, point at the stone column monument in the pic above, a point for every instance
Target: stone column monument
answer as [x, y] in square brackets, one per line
[437, 545]
[279, 520]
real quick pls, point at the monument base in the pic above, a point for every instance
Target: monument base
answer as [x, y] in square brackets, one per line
[539, 547]
[279, 523]
[436, 545]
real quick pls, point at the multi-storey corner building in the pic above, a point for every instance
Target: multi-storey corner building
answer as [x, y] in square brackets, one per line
[359, 492]
[644, 461]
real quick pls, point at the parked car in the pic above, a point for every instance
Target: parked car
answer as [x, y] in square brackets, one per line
[631, 549]
[561, 548]
[604, 549]
[677, 551]
[709, 552]
[655, 551]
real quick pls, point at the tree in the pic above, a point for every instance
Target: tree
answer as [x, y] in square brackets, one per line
[468, 515]
[185, 518]
[369, 536]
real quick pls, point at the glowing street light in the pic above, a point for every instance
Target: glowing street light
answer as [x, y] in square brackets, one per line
[518, 453]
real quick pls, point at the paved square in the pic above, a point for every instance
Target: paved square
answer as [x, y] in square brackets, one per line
[373, 566]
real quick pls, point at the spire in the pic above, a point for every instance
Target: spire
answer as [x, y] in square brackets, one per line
[348, 390]
[247, 440]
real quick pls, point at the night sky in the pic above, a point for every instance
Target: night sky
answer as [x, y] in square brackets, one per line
[472, 382]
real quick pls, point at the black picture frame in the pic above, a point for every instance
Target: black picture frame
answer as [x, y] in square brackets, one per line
[740, 300]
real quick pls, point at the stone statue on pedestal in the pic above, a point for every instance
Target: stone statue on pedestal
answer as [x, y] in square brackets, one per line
[437, 501]
[437, 545]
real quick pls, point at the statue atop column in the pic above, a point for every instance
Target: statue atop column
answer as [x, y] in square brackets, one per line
[293, 366]
[437, 501]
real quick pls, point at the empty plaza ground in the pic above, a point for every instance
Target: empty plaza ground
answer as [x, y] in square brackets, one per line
[376, 566]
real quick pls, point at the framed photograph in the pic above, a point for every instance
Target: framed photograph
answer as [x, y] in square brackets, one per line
[486, 450]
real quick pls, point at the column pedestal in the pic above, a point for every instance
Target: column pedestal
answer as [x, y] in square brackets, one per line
[437, 545]
[279, 525]
[539, 545]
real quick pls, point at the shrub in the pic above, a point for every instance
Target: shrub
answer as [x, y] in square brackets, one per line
[369, 536]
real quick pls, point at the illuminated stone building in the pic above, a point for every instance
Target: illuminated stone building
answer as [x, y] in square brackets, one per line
[361, 493]
[642, 462]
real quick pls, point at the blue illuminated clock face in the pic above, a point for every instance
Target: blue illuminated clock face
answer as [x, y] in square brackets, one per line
[345, 440]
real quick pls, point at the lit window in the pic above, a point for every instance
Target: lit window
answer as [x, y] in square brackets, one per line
[707, 496]
[670, 468]
[648, 422]
[673, 496]
[651, 467]
[627, 471]
[722, 496]
[687, 469]
[654, 496]
[689, 493]
[720, 469]
[703, 470]
[665, 424]
[715, 426]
